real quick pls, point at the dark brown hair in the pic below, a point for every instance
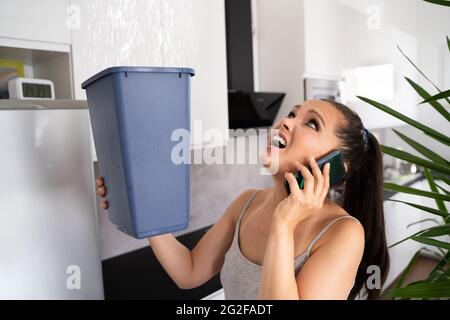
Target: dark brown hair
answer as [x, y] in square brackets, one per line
[363, 194]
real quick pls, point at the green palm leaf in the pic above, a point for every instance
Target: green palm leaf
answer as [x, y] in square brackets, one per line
[409, 190]
[425, 95]
[439, 136]
[437, 231]
[406, 239]
[439, 96]
[419, 233]
[408, 269]
[443, 190]
[432, 242]
[440, 204]
[439, 268]
[437, 139]
[439, 2]
[438, 289]
[443, 178]
[436, 167]
[423, 208]
[433, 156]
[418, 70]
[414, 159]
[445, 275]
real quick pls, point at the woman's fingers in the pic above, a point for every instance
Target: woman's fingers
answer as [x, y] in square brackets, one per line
[99, 181]
[101, 191]
[308, 188]
[293, 185]
[104, 204]
[326, 179]
[318, 183]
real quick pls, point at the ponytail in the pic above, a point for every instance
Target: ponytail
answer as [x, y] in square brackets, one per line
[363, 199]
[363, 195]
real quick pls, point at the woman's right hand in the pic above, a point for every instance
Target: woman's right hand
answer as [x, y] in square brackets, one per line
[101, 191]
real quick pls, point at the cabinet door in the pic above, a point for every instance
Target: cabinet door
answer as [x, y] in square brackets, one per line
[48, 229]
[189, 33]
[43, 20]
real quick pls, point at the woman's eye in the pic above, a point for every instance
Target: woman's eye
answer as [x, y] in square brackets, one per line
[291, 115]
[316, 127]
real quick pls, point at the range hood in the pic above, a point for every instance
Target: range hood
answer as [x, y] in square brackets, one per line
[253, 109]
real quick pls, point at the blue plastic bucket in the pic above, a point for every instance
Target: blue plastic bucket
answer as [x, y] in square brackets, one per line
[133, 112]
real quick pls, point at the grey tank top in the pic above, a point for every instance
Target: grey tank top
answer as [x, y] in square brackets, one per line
[240, 277]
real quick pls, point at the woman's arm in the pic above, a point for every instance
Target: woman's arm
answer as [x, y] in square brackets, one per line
[278, 276]
[330, 270]
[190, 269]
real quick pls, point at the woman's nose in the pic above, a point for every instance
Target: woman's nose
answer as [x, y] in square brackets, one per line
[287, 124]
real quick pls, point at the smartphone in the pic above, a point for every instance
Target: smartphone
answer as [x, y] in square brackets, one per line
[337, 170]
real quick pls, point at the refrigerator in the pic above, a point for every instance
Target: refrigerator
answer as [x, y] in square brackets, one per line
[49, 246]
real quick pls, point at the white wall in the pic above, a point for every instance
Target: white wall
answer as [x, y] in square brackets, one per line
[339, 36]
[434, 59]
[325, 37]
[429, 24]
[280, 39]
[158, 33]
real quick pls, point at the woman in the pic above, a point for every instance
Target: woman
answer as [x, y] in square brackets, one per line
[269, 245]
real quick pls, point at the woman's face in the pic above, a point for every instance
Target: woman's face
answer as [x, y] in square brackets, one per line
[308, 130]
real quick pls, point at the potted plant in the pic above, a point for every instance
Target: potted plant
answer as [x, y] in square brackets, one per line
[435, 166]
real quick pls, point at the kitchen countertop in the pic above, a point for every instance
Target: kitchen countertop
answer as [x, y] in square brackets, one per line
[57, 104]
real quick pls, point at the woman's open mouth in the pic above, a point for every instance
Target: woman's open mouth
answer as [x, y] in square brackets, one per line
[278, 141]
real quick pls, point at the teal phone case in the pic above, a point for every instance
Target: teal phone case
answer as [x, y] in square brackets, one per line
[337, 170]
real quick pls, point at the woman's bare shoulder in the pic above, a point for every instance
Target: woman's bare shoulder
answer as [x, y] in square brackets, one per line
[347, 231]
[343, 232]
[239, 202]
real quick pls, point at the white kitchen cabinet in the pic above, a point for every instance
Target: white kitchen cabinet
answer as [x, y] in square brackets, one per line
[48, 230]
[43, 20]
[189, 33]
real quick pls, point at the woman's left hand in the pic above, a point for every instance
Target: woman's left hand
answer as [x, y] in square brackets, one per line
[300, 204]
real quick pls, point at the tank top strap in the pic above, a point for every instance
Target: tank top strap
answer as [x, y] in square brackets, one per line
[244, 208]
[247, 204]
[313, 242]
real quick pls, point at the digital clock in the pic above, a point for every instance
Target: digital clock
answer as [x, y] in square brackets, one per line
[28, 88]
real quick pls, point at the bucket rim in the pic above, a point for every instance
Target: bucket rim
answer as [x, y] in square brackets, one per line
[111, 70]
